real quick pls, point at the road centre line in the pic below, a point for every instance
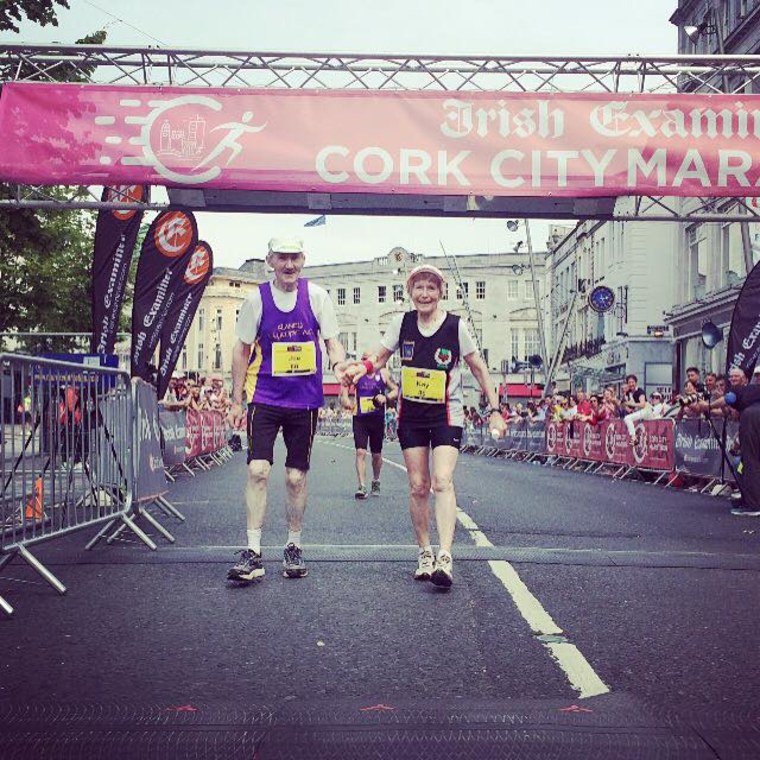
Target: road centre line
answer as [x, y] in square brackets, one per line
[570, 659]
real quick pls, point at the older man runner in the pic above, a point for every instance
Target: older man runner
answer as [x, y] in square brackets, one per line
[278, 358]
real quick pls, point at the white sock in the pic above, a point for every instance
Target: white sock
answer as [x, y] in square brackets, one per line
[294, 537]
[427, 548]
[254, 540]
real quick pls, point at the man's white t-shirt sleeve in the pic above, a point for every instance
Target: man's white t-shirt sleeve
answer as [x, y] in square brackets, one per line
[393, 334]
[249, 318]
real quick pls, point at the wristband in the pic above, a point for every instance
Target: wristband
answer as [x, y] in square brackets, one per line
[369, 366]
[494, 410]
[334, 365]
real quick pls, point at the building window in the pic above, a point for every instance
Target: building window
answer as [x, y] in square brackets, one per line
[183, 360]
[480, 290]
[697, 245]
[381, 293]
[398, 294]
[445, 295]
[341, 296]
[515, 344]
[217, 356]
[528, 289]
[357, 295]
[463, 291]
[532, 344]
[219, 320]
[201, 357]
[201, 320]
[512, 289]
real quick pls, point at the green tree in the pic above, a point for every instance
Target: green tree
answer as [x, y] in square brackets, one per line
[41, 12]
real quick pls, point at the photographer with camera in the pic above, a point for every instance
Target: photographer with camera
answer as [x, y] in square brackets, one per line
[689, 402]
[372, 393]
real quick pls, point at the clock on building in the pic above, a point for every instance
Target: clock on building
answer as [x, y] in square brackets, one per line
[601, 298]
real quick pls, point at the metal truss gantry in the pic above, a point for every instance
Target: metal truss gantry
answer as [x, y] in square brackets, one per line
[630, 74]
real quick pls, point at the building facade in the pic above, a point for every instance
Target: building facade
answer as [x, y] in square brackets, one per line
[712, 260]
[595, 348]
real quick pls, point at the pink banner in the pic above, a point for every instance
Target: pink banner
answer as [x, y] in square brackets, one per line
[463, 143]
[203, 433]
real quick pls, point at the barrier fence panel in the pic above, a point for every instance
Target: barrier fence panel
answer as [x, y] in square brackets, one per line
[65, 452]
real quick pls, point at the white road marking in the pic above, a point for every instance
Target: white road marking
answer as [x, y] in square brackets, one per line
[570, 659]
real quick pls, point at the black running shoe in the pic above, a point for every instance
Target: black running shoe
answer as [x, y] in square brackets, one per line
[375, 488]
[293, 565]
[248, 567]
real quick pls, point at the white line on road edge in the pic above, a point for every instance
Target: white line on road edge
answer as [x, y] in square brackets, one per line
[571, 661]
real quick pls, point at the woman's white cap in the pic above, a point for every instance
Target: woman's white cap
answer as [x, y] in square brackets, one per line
[425, 269]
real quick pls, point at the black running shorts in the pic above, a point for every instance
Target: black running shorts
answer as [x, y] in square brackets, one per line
[439, 435]
[298, 428]
[370, 427]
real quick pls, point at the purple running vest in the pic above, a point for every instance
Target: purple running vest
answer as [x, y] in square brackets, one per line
[297, 326]
[367, 387]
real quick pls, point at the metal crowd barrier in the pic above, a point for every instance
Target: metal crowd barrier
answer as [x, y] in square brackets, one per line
[663, 451]
[335, 427]
[65, 453]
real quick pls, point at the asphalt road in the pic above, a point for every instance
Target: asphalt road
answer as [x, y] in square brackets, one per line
[624, 610]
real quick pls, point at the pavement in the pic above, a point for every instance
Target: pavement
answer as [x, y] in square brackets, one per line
[653, 595]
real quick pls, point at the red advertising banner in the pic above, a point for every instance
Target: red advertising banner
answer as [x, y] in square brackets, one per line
[354, 141]
[205, 433]
[654, 449]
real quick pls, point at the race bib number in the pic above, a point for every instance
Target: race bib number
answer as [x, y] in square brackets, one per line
[427, 385]
[294, 358]
[366, 405]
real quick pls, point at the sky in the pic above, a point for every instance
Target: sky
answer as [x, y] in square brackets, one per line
[434, 27]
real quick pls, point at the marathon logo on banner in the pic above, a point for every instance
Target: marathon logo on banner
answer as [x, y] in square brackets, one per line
[743, 345]
[653, 449]
[165, 255]
[592, 438]
[180, 315]
[115, 236]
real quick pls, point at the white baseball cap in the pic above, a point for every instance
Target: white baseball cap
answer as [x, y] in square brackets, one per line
[286, 245]
[428, 269]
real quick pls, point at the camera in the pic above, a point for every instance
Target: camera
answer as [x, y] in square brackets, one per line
[692, 398]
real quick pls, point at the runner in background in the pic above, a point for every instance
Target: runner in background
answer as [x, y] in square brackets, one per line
[432, 343]
[372, 392]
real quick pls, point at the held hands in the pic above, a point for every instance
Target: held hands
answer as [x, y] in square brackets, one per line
[350, 371]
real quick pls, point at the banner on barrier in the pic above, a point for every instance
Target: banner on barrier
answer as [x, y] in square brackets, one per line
[174, 430]
[150, 476]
